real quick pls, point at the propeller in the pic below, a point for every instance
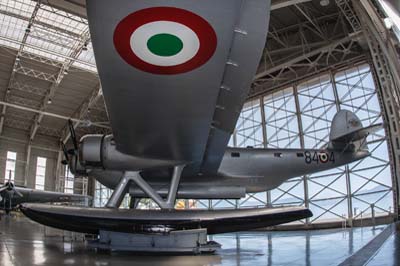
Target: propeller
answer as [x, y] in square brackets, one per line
[65, 151]
[68, 154]
[9, 186]
[71, 155]
[73, 135]
[3, 188]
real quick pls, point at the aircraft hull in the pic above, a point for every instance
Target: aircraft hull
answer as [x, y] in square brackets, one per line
[92, 220]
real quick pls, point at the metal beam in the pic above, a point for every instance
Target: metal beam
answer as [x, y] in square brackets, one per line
[41, 23]
[20, 69]
[277, 4]
[286, 43]
[83, 110]
[386, 69]
[40, 49]
[324, 49]
[44, 113]
[85, 38]
[27, 141]
[78, 7]
[350, 15]
[16, 61]
[75, 7]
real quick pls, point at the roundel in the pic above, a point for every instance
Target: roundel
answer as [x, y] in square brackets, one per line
[323, 156]
[165, 40]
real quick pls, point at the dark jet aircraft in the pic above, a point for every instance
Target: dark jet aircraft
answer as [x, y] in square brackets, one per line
[175, 75]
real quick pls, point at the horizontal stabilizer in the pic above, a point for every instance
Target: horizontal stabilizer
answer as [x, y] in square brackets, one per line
[92, 220]
[358, 134]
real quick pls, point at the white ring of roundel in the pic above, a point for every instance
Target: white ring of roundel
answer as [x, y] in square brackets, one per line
[141, 35]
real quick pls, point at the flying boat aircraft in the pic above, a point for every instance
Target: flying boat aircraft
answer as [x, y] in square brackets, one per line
[175, 75]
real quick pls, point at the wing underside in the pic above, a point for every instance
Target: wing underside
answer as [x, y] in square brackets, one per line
[34, 195]
[187, 111]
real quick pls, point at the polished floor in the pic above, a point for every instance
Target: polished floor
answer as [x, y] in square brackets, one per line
[22, 242]
[389, 253]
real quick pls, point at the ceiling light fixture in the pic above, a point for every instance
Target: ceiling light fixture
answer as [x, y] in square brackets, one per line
[324, 2]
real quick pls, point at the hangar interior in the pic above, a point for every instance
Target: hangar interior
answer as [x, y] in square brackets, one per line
[321, 56]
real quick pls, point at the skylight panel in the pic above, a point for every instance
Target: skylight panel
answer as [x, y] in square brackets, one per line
[86, 66]
[12, 28]
[54, 34]
[20, 7]
[62, 20]
[87, 55]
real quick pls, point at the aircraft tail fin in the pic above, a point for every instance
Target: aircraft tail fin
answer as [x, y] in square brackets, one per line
[347, 132]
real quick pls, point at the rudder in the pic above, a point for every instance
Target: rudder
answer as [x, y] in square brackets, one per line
[348, 133]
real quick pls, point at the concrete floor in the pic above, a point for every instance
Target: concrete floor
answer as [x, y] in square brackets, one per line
[22, 242]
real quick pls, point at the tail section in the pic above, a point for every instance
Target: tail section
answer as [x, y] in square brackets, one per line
[347, 132]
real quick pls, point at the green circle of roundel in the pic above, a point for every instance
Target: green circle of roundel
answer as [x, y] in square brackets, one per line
[164, 44]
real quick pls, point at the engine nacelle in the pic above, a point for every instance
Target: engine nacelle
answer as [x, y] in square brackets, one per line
[100, 151]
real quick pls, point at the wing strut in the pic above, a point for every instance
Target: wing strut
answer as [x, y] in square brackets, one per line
[123, 186]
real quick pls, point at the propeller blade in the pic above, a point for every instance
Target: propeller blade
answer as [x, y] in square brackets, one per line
[73, 135]
[3, 188]
[19, 194]
[65, 151]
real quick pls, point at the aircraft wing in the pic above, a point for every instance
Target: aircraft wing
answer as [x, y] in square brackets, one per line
[175, 74]
[40, 196]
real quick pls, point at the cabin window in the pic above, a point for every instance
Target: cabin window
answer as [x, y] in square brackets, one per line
[278, 154]
[300, 154]
[40, 173]
[235, 154]
[10, 166]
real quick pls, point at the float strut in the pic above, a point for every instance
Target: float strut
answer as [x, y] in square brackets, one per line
[123, 186]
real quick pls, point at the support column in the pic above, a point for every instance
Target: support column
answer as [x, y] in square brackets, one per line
[59, 166]
[133, 202]
[265, 143]
[173, 189]
[119, 192]
[387, 72]
[302, 146]
[346, 169]
[27, 163]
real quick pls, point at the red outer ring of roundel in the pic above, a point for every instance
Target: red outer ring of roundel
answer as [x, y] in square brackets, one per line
[320, 157]
[204, 31]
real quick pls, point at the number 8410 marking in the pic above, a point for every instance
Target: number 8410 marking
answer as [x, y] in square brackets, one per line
[319, 157]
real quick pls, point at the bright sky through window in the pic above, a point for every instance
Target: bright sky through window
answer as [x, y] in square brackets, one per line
[40, 173]
[10, 166]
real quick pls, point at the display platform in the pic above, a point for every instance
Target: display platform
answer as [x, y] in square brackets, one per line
[177, 242]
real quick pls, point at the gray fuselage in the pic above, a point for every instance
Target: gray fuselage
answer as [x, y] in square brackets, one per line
[244, 170]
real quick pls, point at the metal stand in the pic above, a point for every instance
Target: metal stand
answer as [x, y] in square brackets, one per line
[123, 186]
[134, 202]
[184, 241]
